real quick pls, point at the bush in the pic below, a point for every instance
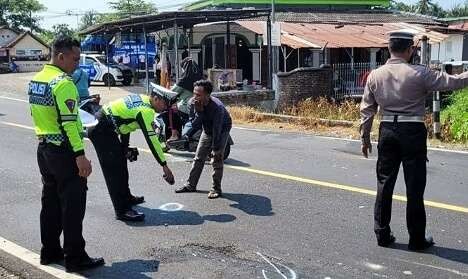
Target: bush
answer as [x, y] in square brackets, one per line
[327, 109]
[455, 116]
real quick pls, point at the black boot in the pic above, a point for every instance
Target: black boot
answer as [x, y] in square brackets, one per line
[416, 245]
[83, 264]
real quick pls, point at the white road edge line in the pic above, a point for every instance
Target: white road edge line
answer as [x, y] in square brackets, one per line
[13, 99]
[33, 259]
[352, 140]
[322, 137]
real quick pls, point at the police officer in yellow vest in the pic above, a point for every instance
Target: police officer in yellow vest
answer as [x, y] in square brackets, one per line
[400, 89]
[53, 99]
[118, 119]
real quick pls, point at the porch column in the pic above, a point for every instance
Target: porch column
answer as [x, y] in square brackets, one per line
[255, 63]
[316, 58]
[373, 57]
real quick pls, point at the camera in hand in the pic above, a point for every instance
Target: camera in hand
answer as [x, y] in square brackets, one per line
[132, 154]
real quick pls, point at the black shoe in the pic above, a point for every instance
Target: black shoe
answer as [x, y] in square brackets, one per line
[83, 264]
[186, 189]
[46, 260]
[386, 241]
[422, 244]
[131, 215]
[134, 200]
[49, 256]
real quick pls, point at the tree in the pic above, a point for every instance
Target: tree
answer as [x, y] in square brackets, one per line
[18, 14]
[62, 29]
[88, 19]
[127, 8]
[425, 7]
[400, 6]
[459, 10]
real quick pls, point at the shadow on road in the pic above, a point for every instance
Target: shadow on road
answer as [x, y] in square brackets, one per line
[237, 163]
[251, 204]
[134, 269]
[450, 254]
[189, 156]
[158, 217]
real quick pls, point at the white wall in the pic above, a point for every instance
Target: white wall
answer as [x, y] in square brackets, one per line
[450, 48]
[7, 36]
[27, 45]
[30, 66]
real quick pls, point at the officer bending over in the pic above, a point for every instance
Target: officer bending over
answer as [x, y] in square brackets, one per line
[111, 137]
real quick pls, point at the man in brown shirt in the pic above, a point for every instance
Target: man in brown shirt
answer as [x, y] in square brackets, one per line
[399, 90]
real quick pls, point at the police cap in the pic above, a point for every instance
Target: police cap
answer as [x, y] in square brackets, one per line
[167, 95]
[405, 34]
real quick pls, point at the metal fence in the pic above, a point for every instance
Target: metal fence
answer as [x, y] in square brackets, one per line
[349, 79]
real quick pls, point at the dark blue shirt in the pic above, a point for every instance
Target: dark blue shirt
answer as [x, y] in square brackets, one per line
[214, 119]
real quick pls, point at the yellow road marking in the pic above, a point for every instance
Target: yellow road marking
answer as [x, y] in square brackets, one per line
[308, 181]
[343, 187]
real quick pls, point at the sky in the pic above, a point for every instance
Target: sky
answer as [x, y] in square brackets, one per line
[56, 9]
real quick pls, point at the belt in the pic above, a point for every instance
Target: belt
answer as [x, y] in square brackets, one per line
[402, 118]
[51, 138]
[107, 114]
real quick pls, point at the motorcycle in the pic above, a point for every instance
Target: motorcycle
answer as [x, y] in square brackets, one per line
[88, 107]
[162, 129]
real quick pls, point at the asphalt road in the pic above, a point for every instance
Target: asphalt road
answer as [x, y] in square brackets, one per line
[294, 206]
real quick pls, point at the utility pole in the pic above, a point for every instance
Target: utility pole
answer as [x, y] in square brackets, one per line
[274, 48]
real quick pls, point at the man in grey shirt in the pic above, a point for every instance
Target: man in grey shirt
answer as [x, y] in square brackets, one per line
[400, 89]
[207, 113]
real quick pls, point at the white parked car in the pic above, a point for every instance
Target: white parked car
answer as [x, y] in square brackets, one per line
[98, 70]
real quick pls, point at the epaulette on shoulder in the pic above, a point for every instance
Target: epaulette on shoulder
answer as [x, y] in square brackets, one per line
[61, 77]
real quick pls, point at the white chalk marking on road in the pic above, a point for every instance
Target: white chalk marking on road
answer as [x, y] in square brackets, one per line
[374, 266]
[14, 99]
[298, 179]
[454, 271]
[172, 206]
[291, 272]
[33, 259]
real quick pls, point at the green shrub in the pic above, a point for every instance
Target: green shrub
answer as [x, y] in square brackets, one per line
[456, 116]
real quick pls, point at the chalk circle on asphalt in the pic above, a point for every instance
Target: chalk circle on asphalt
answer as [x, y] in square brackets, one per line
[172, 206]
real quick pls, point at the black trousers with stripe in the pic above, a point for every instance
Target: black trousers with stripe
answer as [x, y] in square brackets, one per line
[401, 143]
[63, 203]
[111, 155]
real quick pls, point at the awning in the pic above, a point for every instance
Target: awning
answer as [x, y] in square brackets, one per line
[310, 35]
[165, 20]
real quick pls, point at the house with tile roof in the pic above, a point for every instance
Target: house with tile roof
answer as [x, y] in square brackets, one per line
[23, 46]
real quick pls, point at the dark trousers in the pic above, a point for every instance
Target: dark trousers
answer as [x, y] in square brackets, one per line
[173, 120]
[113, 163]
[203, 150]
[63, 202]
[401, 143]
